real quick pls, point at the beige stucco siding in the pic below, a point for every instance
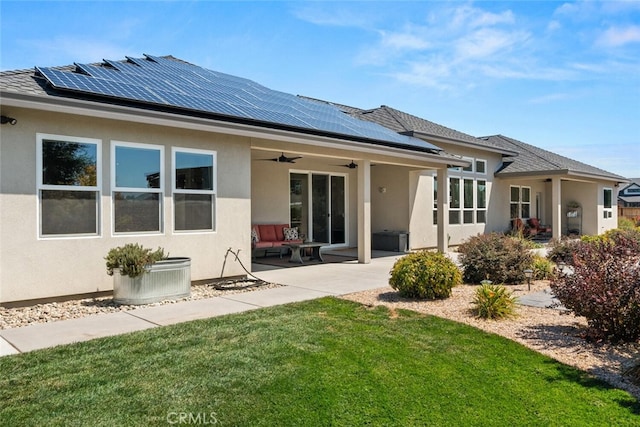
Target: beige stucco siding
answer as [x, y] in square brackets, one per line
[33, 267]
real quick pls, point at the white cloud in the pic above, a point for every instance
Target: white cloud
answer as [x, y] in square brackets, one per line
[403, 41]
[550, 98]
[619, 36]
[486, 42]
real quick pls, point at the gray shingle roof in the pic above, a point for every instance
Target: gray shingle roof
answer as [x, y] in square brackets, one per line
[532, 160]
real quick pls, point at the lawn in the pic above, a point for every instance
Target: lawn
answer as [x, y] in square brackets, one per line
[317, 363]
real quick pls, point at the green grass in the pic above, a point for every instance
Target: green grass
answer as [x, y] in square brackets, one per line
[327, 362]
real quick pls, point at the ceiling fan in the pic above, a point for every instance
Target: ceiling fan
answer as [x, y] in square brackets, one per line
[351, 165]
[284, 159]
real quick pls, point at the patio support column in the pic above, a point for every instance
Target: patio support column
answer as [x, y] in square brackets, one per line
[364, 211]
[556, 207]
[443, 211]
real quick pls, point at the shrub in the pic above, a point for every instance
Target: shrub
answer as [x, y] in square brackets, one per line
[604, 287]
[624, 222]
[542, 268]
[562, 250]
[633, 372]
[496, 257]
[493, 302]
[131, 259]
[425, 275]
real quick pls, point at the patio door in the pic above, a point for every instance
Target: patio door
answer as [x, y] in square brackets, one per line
[318, 206]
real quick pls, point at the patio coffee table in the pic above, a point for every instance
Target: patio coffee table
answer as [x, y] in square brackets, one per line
[296, 251]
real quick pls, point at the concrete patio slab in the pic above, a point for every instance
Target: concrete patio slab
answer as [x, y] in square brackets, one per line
[542, 299]
[190, 310]
[75, 330]
[7, 349]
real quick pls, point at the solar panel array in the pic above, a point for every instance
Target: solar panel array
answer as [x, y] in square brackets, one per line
[172, 83]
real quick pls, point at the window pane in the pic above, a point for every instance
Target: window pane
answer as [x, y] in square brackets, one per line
[136, 212]
[482, 194]
[454, 192]
[468, 193]
[468, 217]
[526, 194]
[607, 198]
[468, 168]
[526, 210]
[435, 191]
[454, 217]
[515, 194]
[515, 207]
[435, 217]
[137, 167]
[481, 166]
[193, 211]
[194, 171]
[69, 163]
[481, 217]
[69, 212]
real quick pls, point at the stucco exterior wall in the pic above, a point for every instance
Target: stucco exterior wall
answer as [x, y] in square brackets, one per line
[33, 267]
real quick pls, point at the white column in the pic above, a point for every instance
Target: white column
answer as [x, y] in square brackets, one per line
[443, 210]
[364, 212]
[556, 207]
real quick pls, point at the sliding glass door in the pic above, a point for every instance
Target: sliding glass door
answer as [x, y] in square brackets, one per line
[318, 206]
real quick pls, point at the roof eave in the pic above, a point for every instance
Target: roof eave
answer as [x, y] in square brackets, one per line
[457, 142]
[560, 172]
[236, 127]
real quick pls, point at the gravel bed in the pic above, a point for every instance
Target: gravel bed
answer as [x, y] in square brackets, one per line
[552, 332]
[73, 309]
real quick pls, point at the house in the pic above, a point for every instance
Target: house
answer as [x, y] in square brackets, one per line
[167, 154]
[629, 199]
[506, 179]
[164, 153]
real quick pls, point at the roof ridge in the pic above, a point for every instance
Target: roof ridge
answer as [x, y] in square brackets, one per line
[392, 113]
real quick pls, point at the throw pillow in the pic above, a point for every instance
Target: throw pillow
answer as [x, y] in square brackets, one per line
[254, 236]
[290, 233]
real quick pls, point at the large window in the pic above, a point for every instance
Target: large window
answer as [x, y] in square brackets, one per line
[468, 213]
[481, 201]
[194, 190]
[608, 203]
[520, 202]
[68, 185]
[137, 183]
[454, 200]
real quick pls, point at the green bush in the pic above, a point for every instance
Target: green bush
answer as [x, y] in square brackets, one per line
[495, 257]
[624, 222]
[132, 259]
[542, 268]
[493, 302]
[425, 275]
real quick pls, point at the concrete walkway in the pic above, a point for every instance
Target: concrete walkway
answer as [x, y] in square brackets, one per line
[301, 283]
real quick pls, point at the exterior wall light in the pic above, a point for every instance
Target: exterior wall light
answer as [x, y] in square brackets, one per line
[7, 119]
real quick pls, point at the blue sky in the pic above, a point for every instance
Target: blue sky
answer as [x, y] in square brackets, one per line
[564, 76]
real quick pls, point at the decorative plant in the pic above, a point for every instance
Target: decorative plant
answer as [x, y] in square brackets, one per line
[132, 259]
[494, 256]
[542, 268]
[493, 302]
[604, 287]
[425, 275]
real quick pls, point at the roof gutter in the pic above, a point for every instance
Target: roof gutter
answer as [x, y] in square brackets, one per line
[239, 128]
[563, 173]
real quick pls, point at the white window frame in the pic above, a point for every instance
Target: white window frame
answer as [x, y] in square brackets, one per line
[479, 209]
[460, 200]
[472, 165]
[519, 202]
[607, 211]
[475, 166]
[213, 192]
[40, 137]
[116, 189]
[472, 208]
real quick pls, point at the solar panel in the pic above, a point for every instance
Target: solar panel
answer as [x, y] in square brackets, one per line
[170, 82]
